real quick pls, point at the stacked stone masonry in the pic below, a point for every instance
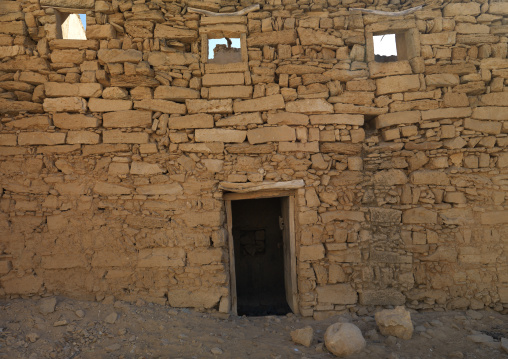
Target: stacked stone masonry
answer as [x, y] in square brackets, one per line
[112, 149]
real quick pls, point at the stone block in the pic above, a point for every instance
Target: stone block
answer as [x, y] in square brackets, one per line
[13, 28]
[496, 113]
[394, 84]
[225, 79]
[65, 104]
[174, 93]
[40, 138]
[385, 215]
[202, 256]
[490, 127]
[211, 147]
[128, 118]
[287, 37]
[337, 294]
[383, 69]
[102, 105]
[156, 58]
[442, 80]
[442, 113]
[220, 135]
[82, 137]
[312, 37]
[110, 189]
[161, 257]
[271, 134]
[173, 33]
[461, 9]
[429, 177]
[116, 136]
[498, 8]
[311, 253]
[342, 215]
[494, 217]
[273, 102]
[194, 297]
[397, 118]
[337, 119]
[300, 70]
[495, 99]
[419, 215]
[209, 106]
[287, 118]
[119, 56]
[234, 92]
[73, 56]
[310, 106]
[63, 89]
[391, 177]
[74, 121]
[200, 120]
[73, 4]
[243, 119]
[161, 106]
[100, 32]
[439, 38]
[8, 140]
[145, 168]
[166, 189]
[382, 297]
[311, 147]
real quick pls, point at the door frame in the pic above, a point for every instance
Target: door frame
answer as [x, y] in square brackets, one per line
[290, 195]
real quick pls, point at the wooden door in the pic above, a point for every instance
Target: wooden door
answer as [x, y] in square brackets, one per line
[288, 235]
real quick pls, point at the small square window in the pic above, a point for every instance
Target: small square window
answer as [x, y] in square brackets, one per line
[71, 26]
[224, 51]
[385, 48]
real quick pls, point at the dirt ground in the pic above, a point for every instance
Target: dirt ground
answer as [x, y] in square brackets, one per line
[80, 329]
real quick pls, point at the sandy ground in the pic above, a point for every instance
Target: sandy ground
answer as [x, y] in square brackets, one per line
[79, 329]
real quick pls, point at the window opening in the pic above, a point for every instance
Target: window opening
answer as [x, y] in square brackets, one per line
[385, 48]
[71, 26]
[224, 51]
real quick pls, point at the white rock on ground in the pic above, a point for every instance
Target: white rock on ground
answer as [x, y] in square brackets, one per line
[303, 336]
[47, 305]
[343, 339]
[396, 322]
[504, 344]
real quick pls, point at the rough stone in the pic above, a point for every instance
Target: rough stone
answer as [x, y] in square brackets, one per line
[395, 322]
[344, 339]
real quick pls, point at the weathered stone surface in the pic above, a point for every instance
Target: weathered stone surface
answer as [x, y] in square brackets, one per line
[299, 69]
[62, 89]
[195, 297]
[491, 127]
[303, 336]
[128, 118]
[441, 113]
[390, 177]
[173, 93]
[156, 58]
[440, 38]
[395, 322]
[200, 120]
[461, 9]
[310, 106]
[74, 121]
[170, 189]
[73, 4]
[234, 92]
[344, 339]
[209, 106]
[287, 118]
[110, 189]
[419, 215]
[498, 8]
[102, 105]
[385, 215]
[271, 134]
[220, 135]
[68, 56]
[299, 147]
[212, 147]
[429, 177]
[161, 105]
[382, 69]
[100, 32]
[272, 38]
[310, 37]
[65, 104]
[224, 79]
[342, 216]
[337, 294]
[442, 80]
[273, 102]
[116, 136]
[496, 113]
[313, 252]
[337, 119]
[393, 84]
[173, 33]
[397, 118]
[382, 297]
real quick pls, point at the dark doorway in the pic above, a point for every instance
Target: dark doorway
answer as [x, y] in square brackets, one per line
[259, 257]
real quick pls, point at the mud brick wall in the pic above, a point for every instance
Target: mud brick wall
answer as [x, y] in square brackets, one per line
[112, 149]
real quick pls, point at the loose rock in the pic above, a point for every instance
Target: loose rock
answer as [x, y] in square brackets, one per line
[396, 322]
[303, 336]
[343, 339]
[47, 305]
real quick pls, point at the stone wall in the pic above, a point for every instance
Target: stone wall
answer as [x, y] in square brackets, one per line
[112, 150]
